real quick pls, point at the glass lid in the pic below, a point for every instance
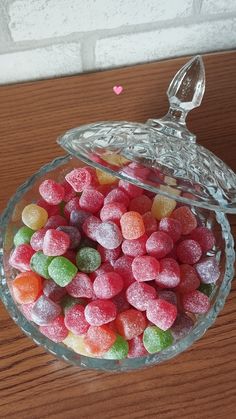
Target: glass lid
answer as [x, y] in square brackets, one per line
[161, 155]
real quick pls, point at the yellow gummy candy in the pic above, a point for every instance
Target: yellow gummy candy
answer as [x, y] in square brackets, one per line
[170, 180]
[170, 190]
[115, 159]
[77, 344]
[162, 207]
[105, 178]
[34, 217]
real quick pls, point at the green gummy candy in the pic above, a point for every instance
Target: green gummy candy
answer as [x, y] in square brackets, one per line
[39, 263]
[23, 235]
[88, 259]
[119, 349]
[68, 302]
[155, 339]
[206, 289]
[62, 271]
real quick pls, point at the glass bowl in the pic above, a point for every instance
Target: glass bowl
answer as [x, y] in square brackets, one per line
[10, 222]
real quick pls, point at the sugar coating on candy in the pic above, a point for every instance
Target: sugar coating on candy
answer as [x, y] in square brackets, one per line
[136, 347]
[155, 339]
[189, 251]
[159, 244]
[77, 344]
[72, 205]
[80, 286]
[145, 268]
[108, 255]
[168, 295]
[150, 223]
[189, 280]
[208, 270]
[34, 217]
[141, 204]
[186, 218]
[36, 241]
[88, 259]
[69, 192]
[104, 267]
[139, 294]
[75, 320]
[132, 190]
[121, 302]
[172, 227]
[91, 200]
[26, 287]
[45, 311]
[117, 195]
[78, 217]
[74, 235]
[108, 285]
[195, 302]
[26, 309]
[105, 178]
[132, 225]
[99, 312]
[69, 301]
[204, 237]
[161, 313]
[23, 236]
[162, 206]
[62, 271]
[53, 291]
[119, 349]
[112, 211]
[135, 247]
[130, 323]
[21, 256]
[123, 266]
[51, 191]
[182, 326]
[169, 274]
[55, 243]
[81, 178]
[56, 221]
[90, 227]
[56, 331]
[108, 235]
[99, 339]
[39, 263]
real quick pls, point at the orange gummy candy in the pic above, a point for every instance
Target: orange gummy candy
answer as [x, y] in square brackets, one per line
[132, 225]
[26, 287]
[99, 339]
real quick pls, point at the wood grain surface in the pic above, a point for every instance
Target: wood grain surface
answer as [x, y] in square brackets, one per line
[200, 383]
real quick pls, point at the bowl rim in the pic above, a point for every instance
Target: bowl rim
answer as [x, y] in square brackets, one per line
[63, 352]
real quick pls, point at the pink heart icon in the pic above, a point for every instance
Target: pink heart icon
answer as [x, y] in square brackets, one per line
[117, 90]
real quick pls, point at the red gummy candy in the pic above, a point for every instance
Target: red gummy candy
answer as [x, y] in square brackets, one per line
[130, 323]
[159, 244]
[72, 205]
[99, 312]
[130, 189]
[20, 257]
[80, 286]
[69, 191]
[81, 178]
[150, 223]
[51, 191]
[103, 268]
[56, 221]
[53, 291]
[56, 331]
[169, 275]
[55, 243]
[139, 294]
[74, 235]
[117, 195]
[204, 237]
[51, 209]
[145, 268]
[141, 204]
[123, 266]
[135, 247]
[189, 280]
[108, 285]
[161, 313]
[172, 227]
[121, 302]
[99, 339]
[90, 227]
[136, 347]
[112, 211]
[189, 252]
[75, 320]
[186, 218]
[108, 235]
[91, 200]
[108, 255]
[196, 302]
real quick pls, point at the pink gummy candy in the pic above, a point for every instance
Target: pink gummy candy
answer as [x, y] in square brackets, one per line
[168, 295]
[51, 191]
[81, 178]
[135, 247]
[182, 326]
[91, 200]
[56, 331]
[108, 235]
[75, 320]
[189, 280]
[169, 274]
[145, 268]
[159, 244]
[136, 347]
[204, 237]
[74, 235]
[100, 312]
[196, 302]
[45, 311]
[123, 266]
[80, 286]
[108, 255]
[90, 227]
[108, 285]
[55, 243]
[161, 313]
[208, 270]
[117, 195]
[72, 205]
[69, 191]
[172, 227]
[139, 294]
[37, 239]
[189, 251]
[20, 257]
[112, 211]
[53, 291]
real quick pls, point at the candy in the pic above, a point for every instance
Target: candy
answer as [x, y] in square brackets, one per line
[37, 239]
[62, 271]
[21, 256]
[78, 217]
[141, 204]
[76, 343]
[53, 291]
[68, 302]
[169, 296]
[81, 286]
[137, 170]
[73, 234]
[155, 339]
[51, 209]
[145, 268]
[90, 227]
[196, 302]
[71, 255]
[132, 225]
[162, 206]
[34, 217]
[91, 200]
[108, 255]
[161, 313]
[189, 251]
[56, 221]
[23, 236]
[138, 295]
[204, 237]
[39, 263]
[75, 320]
[150, 223]
[55, 243]
[119, 349]
[51, 191]
[105, 178]
[112, 212]
[117, 195]
[136, 347]
[132, 190]
[26, 287]
[69, 192]
[99, 340]
[26, 309]
[81, 178]
[135, 247]
[208, 270]
[130, 323]
[56, 331]
[104, 267]
[172, 227]
[182, 326]
[159, 244]
[123, 266]
[121, 302]
[88, 259]
[72, 205]
[45, 311]
[108, 235]
[186, 218]
[189, 280]
[99, 312]
[169, 274]
[108, 285]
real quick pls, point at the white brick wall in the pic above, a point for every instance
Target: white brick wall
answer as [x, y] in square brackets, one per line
[45, 38]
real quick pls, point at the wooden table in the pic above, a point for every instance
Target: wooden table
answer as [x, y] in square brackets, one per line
[200, 383]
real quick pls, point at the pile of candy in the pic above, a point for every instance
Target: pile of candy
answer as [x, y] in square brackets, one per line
[109, 269]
